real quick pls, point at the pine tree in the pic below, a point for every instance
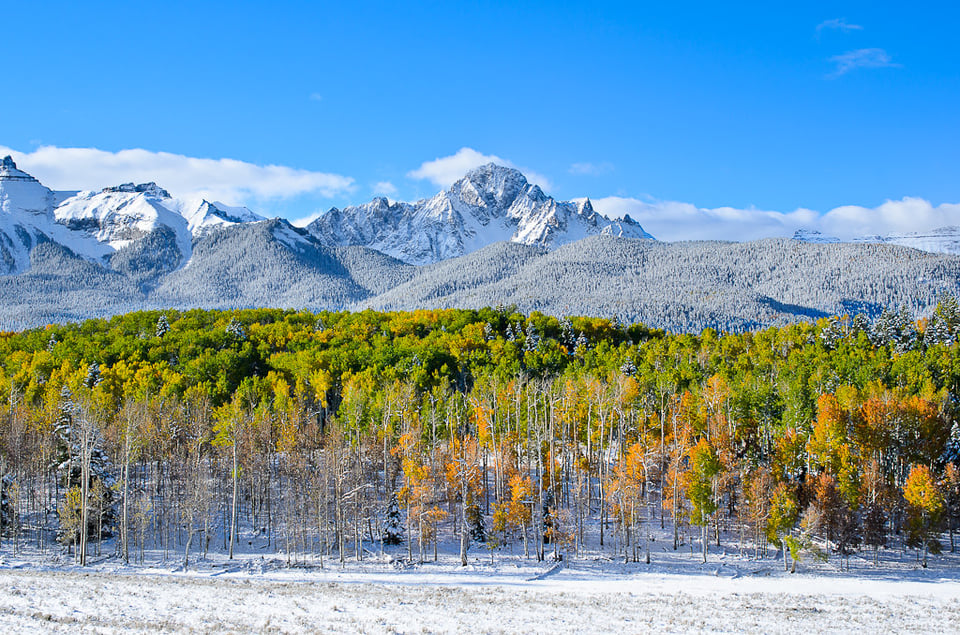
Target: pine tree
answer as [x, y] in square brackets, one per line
[7, 519]
[162, 326]
[235, 330]
[937, 331]
[948, 311]
[874, 528]
[831, 333]
[79, 442]
[583, 345]
[951, 450]
[93, 375]
[532, 338]
[393, 525]
[478, 532]
[894, 329]
[567, 335]
[859, 324]
[488, 334]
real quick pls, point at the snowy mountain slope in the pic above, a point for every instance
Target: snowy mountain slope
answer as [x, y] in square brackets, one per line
[122, 215]
[492, 238]
[267, 263]
[60, 286]
[679, 286]
[27, 220]
[684, 286]
[490, 204]
[202, 215]
[139, 229]
[943, 240]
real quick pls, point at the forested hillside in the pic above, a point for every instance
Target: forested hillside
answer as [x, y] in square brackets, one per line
[686, 286]
[172, 430]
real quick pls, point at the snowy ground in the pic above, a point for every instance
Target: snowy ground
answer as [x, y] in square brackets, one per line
[675, 593]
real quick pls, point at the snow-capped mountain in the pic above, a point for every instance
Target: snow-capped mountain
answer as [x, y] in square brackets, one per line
[490, 204]
[125, 213]
[98, 225]
[66, 256]
[120, 216]
[943, 240]
[27, 219]
[202, 215]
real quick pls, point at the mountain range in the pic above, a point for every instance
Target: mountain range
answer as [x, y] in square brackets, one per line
[490, 204]
[491, 238]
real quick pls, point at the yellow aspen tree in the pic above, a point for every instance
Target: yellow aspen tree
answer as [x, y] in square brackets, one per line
[925, 505]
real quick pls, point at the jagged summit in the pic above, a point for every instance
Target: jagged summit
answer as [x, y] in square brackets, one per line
[488, 204]
[492, 185]
[10, 172]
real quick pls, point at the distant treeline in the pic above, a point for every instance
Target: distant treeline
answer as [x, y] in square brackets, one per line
[323, 431]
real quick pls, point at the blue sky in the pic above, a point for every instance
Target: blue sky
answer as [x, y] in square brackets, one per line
[753, 109]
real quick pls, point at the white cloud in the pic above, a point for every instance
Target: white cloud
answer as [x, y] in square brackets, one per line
[861, 58]
[228, 180]
[306, 220]
[385, 188]
[444, 171]
[904, 215]
[838, 24]
[672, 220]
[590, 169]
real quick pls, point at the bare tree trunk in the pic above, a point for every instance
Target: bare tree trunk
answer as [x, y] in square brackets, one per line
[703, 538]
[233, 500]
[464, 533]
[84, 487]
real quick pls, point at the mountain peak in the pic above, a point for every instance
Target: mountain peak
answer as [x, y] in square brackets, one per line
[585, 207]
[492, 177]
[490, 203]
[490, 186]
[150, 189]
[494, 170]
[10, 172]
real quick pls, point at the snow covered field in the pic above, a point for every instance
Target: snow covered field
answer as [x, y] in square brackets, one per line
[513, 595]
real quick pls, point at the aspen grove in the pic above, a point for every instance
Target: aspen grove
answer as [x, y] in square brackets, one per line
[332, 435]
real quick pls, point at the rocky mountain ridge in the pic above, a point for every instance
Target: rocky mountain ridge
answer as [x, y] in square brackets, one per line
[489, 204]
[67, 256]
